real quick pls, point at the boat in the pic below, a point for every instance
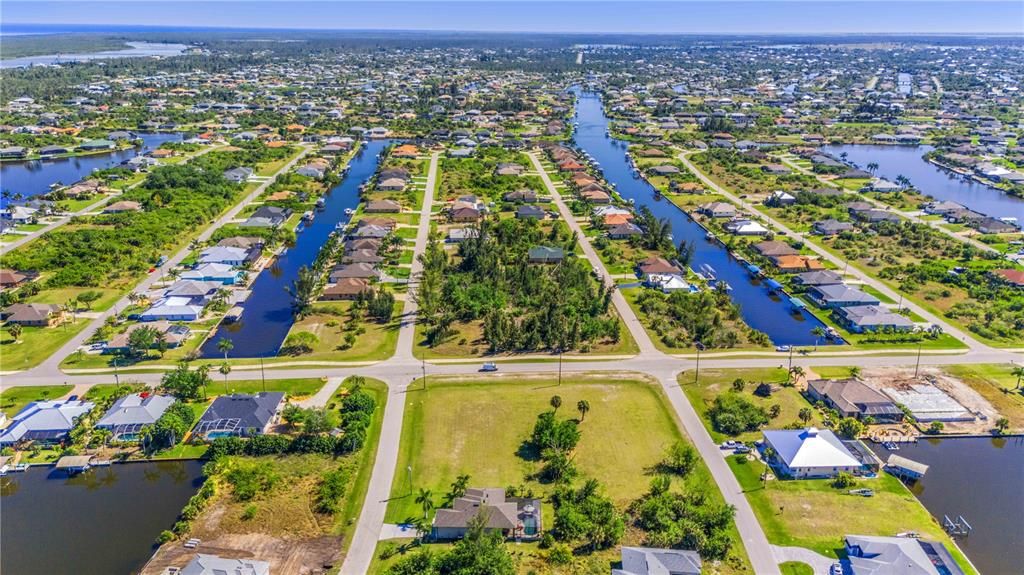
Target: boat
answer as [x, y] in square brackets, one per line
[320, 203]
[349, 211]
[708, 272]
[308, 216]
[340, 226]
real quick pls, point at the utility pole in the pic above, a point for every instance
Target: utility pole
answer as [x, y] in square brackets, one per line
[263, 375]
[559, 365]
[117, 380]
[423, 366]
[409, 472]
[790, 359]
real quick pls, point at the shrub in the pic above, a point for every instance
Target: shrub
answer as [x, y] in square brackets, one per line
[332, 489]
[249, 513]
[732, 414]
[680, 458]
[165, 536]
[843, 481]
[560, 554]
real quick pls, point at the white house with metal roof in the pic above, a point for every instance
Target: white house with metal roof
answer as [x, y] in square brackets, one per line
[48, 421]
[810, 453]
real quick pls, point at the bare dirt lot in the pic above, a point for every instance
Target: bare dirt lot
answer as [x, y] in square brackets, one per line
[298, 556]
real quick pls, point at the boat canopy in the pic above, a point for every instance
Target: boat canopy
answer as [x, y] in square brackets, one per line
[773, 285]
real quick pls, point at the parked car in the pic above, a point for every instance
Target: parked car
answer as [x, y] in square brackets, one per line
[489, 366]
[742, 449]
[783, 348]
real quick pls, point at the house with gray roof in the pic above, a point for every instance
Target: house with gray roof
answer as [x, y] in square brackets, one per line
[131, 413]
[852, 397]
[863, 318]
[238, 175]
[203, 564]
[840, 295]
[872, 555]
[818, 278]
[654, 561]
[44, 421]
[513, 516]
[240, 414]
[546, 255]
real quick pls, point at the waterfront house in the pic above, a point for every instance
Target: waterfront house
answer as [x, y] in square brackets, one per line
[173, 309]
[817, 278]
[809, 453]
[391, 185]
[357, 270]
[213, 272]
[745, 227]
[840, 295]
[874, 555]
[240, 414]
[383, 207]
[267, 217]
[624, 230]
[775, 248]
[96, 145]
[362, 257]
[512, 516]
[796, 263]
[369, 231]
[131, 413]
[345, 289]
[717, 210]
[203, 564]
[33, 314]
[853, 398]
[44, 421]
[13, 152]
[230, 256]
[654, 561]
[655, 266]
[993, 226]
[864, 318]
[881, 185]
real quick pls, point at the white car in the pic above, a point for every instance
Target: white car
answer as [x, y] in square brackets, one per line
[489, 366]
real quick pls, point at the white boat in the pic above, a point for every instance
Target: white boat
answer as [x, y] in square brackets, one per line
[308, 216]
[349, 211]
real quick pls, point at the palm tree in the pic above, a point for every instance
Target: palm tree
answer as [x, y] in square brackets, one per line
[225, 369]
[426, 501]
[796, 372]
[855, 371]
[459, 486]
[556, 402]
[818, 332]
[583, 406]
[805, 414]
[1018, 372]
[224, 345]
[768, 454]
[872, 167]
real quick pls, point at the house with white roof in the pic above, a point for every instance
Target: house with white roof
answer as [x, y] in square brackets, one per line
[45, 421]
[203, 564]
[809, 453]
[173, 309]
[745, 227]
[231, 256]
[223, 273]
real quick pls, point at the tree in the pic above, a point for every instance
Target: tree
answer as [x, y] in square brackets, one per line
[459, 487]
[855, 371]
[319, 420]
[141, 340]
[872, 167]
[556, 402]
[795, 373]
[184, 383]
[225, 369]
[225, 345]
[818, 332]
[680, 458]
[936, 427]
[1018, 372]
[843, 481]
[426, 501]
[1002, 424]
[850, 428]
[87, 298]
[686, 251]
[738, 384]
[583, 406]
[303, 291]
[805, 415]
[15, 330]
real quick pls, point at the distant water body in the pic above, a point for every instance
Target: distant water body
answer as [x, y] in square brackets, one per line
[137, 50]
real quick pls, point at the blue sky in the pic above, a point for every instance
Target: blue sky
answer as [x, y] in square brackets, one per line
[681, 16]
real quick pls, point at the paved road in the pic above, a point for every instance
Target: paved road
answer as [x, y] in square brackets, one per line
[636, 329]
[51, 367]
[371, 518]
[972, 343]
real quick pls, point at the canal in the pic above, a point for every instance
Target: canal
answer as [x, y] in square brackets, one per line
[267, 314]
[34, 177]
[761, 310]
[103, 521]
[930, 179]
[980, 478]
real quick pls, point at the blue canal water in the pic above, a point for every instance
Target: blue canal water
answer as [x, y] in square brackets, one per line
[761, 310]
[32, 178]
[267, 314]
[932, 180]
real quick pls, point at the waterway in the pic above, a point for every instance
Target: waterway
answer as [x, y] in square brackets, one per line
[930, 179]
[103, 521]
[137, 50]
[267, 314]
[34, 177]
[979, 478]
[761, 310]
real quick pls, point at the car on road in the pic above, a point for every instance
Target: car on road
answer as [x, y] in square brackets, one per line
[783, 348]
[489, 366]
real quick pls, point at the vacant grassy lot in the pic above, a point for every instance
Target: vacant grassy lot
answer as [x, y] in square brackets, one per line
[997, 384]
[35, 344]
[13, 399]
[811, 513]
[714, 382]
[329, 323]
[465, 426]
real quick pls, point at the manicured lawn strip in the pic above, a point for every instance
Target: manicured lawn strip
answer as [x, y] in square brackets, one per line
[811, 513]
[14, 399]
[300, 387]
[795, 568]
[461, 426]
[712, 383]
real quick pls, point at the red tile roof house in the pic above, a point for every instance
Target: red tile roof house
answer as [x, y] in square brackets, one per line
[1012, 277]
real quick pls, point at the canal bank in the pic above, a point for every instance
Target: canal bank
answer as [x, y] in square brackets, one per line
[36, 177]
[103, 521]
[267, 313]
[931, 180]
[760, 309]
[979, 479]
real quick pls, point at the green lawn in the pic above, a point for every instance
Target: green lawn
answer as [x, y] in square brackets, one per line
[713, 382]
[811, 513]
[795, 568]
[293, 387]
[13, 399]
[328, 321]
[35, 344]
[997, 384]
[463, 426]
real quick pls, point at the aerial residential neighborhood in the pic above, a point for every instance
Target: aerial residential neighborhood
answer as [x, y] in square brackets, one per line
[511, 288]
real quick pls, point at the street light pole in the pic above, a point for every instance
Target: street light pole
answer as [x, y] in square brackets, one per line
[696, 374]
[263, 375]
[918, 366]
[408, 470]
[559, 365]
[423, 366]
[117, 380]
[790, 359]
